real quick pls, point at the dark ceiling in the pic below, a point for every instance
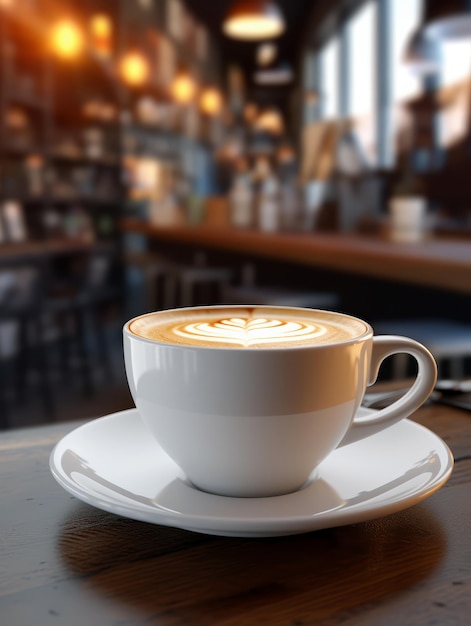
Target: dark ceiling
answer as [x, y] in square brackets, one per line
[296, 13]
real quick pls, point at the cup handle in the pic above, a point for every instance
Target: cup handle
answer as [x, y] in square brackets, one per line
[383, 347]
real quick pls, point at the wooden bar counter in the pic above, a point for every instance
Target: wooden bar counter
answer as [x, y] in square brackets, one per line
[65, 563]
[436, 262]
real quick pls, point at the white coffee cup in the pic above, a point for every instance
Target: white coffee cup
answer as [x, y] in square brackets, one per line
[249, 400]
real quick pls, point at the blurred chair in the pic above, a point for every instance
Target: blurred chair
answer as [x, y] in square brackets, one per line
[77, 308]
[23, 357]
[199, 283]
[449, 341]
[248, 292]
[169, 284]
[156, 274]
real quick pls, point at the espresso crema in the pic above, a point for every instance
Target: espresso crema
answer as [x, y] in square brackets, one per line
[247, 327]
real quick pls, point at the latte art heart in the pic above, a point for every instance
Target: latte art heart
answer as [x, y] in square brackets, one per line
[241, 327]
[247, 332]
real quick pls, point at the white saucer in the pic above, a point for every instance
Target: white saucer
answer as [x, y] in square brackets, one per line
[112, 463]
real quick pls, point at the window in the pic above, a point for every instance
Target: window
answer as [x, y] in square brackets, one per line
[456, 91]
[361, 76]
[456, 61]
[404, 19]
[310, 86]
[329, 79]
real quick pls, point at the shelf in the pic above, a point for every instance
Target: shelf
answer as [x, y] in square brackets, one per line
[20, 153]
[47, 199]
[87, 201]
[32, 249]
[54, 94]
[30, 101]
[23, 199]
[83, 160]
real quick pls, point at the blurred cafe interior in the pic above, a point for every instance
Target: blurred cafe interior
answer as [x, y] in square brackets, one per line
[165, 153]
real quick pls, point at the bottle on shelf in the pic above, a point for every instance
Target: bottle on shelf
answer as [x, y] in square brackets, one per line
[268, 201]
[77, 224]
[290, 191]
[34, 168]
[241, 196]
[14, 222]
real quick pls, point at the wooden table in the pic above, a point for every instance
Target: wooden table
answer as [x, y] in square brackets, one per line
[437, 262]
[63, 562]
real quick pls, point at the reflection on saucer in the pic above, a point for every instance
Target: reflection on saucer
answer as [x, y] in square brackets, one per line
[376, 476]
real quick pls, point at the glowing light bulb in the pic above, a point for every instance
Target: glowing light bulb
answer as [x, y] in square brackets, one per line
[101, 29]
[100, 25]
[67, 39]
[211, 101]
[262, 20]
[134, 69]
[183, 88]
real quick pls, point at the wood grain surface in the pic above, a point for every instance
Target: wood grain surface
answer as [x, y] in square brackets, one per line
[63, 562]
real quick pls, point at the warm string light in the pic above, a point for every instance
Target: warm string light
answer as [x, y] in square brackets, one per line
[134, 69]
[101, 28]
[100, 25]
[183, 88]
[67, 39]
[211, 101]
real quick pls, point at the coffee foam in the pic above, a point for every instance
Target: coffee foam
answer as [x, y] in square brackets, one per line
[247, 327]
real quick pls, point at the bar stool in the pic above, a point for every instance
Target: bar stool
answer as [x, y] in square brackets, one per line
[157, 274]
[199, 284]
[449, 341]
[169, 284]
[248, 292]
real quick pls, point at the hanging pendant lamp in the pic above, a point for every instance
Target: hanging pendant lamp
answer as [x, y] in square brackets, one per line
[447, 19]
[254, 20]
